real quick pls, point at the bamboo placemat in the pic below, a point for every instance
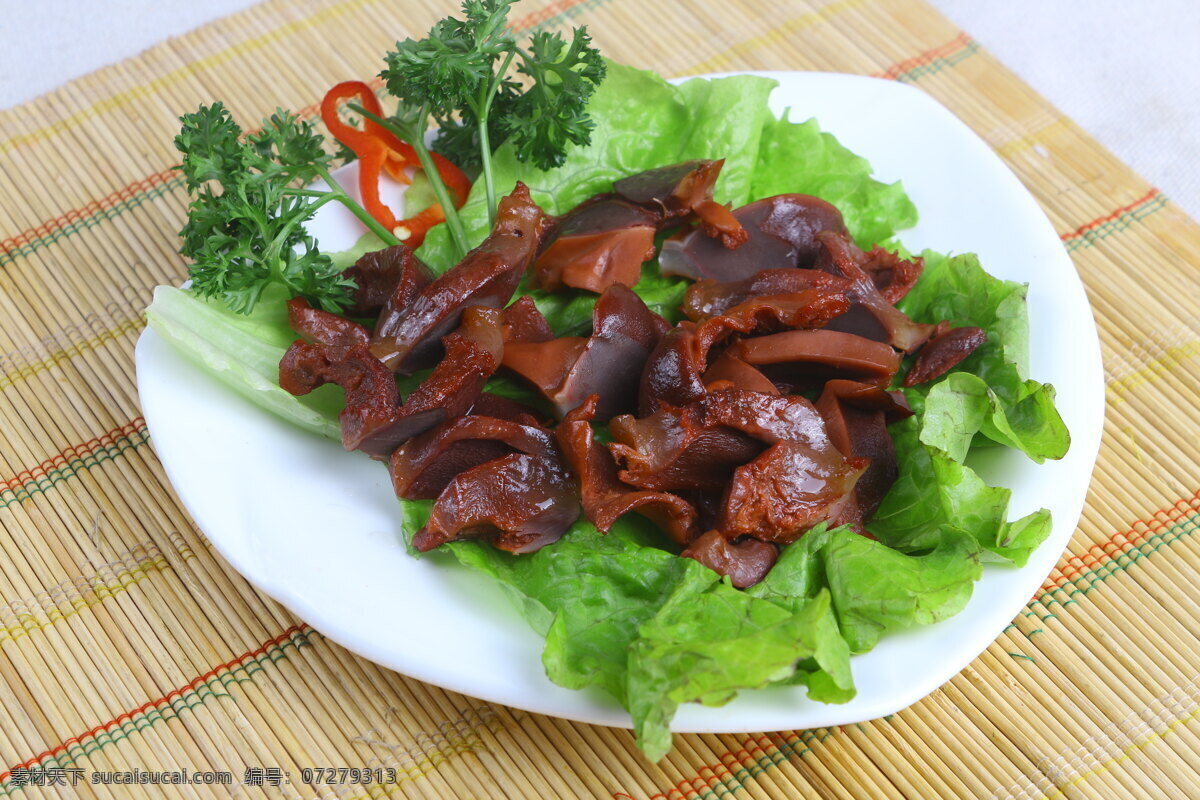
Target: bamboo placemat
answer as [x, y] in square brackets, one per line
[128, 643]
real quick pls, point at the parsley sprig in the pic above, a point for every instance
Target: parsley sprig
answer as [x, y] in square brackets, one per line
[245, 228]
[461, 76]
[469, 77]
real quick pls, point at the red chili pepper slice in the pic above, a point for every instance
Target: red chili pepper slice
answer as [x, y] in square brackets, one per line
[379, 150]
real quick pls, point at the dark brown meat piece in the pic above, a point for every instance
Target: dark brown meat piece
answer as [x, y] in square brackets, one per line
[472, 355]
[737, 374]
[674, 190]
[745, 561]
[948, 347]
[389, 278]
[871, 315]
[801, 479]
[322, 327]
[424, 465]
[892, 275]
[820, 353]
[373, 419]
[519, 502]
[500, 407]
[597, 245]
[408, 339]
[607, 363]
[767, 418]
[774, 495]
[372, 399]
[674, 372]
[698, 446]
[708, 298]
[605, 497]
[678, 449]
[856, 416]
[524, 323]
[781, 233]
[677, 192]
[786, 490]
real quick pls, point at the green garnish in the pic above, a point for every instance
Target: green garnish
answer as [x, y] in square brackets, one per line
[460, 75]
[250, 234]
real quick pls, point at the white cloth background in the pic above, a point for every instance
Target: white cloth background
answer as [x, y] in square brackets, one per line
[1127, 72]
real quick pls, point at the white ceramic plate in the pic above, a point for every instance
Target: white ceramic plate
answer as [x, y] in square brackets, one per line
[317, 528]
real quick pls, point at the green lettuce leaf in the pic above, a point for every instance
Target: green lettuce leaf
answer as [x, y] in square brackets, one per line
[801, 158]
[708, 640]
[655, 630]
[875, 588]
[243, 352]
[935, 491]
[988, 392]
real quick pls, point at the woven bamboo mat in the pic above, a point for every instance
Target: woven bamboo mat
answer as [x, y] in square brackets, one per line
[126, 642]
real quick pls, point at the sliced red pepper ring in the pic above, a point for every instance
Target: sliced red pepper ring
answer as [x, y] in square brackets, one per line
[379, 150]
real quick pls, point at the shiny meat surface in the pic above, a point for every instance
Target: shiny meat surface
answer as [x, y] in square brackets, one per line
[409, 338]
[423, 466]
[948, 347]
[389, 278]
[597, 245]
[608, 363]
[781, 233]
[519, 503]
[605, 497]
[745, 561]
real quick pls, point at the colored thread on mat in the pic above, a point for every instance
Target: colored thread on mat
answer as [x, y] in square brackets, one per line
[1117, 220]
[775, 749]
[1113, 744]
[1029, 140]
[67, 353]
[247, 663]
[89, 215]
[84, 592]
[932, 61]
[72, 461]
[779, 33]
[1156, 368]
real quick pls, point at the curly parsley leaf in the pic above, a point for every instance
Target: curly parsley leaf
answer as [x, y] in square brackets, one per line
[552, 114]
[459, 75]
[245, 229]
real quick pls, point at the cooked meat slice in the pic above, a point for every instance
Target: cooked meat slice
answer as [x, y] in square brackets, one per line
[374, 420]
[608, 363]
[948, 347]
[746, 561]
[872, 315]
[409, 338]
[781, 233]
[389, 278]
[519, 503]
[605, 497]
[596, 245]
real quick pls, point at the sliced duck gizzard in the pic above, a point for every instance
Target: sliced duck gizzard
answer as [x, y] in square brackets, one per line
[407, 339]
[605, 497]
[781, 233]
[608, 363]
